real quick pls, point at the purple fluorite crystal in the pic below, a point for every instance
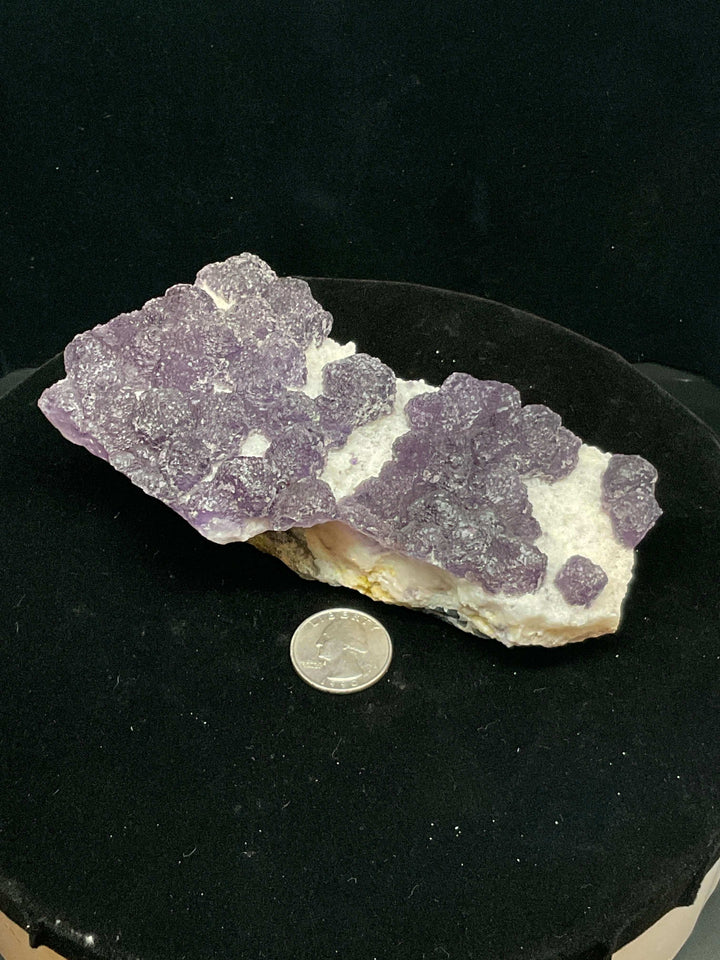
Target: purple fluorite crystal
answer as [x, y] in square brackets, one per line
[203, 399]
[297, 452]
[454, 492]
[628, 495]
[168, 394]
[303, 504]
[580, 581]
[237, 278]
[361, 386]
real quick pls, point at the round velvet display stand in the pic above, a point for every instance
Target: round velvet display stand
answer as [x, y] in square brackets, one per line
[171, 789]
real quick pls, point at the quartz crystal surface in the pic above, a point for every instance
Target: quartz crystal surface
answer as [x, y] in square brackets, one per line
[227, 400]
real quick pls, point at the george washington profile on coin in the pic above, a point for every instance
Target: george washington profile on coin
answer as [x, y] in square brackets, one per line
[341, 654]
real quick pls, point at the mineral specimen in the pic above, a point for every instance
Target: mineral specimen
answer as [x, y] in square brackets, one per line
[227, 400]
[580, 580]
[628, 485]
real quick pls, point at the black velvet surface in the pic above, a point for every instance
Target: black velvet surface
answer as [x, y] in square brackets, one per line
[171, 789]
[558, 155]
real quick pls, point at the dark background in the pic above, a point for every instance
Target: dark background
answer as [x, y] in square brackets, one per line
[562, 157]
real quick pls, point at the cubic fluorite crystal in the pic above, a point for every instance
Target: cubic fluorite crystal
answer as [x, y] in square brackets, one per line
[580, 581]
[628, 496]
[227, 400]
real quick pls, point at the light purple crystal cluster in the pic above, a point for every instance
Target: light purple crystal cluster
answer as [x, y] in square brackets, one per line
[176, 396]
[456, 482]
[170, 393]
[628, 492]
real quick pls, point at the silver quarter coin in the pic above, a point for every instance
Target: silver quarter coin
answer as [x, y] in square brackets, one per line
[341, 650]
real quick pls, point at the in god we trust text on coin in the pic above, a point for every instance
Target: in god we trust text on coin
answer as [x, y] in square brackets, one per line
[341, 650]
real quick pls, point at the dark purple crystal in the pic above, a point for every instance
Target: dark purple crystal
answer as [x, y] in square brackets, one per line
[456, 483]
[182, 304]
[303, 503]
[511, 566]
[335, 422]
[411, 454]
[363, 513]
[274, 364]
[435, 507]
[288, 408]
[628, 495]
[500, 564]
[222, 417]
[250, 482]
[297, 452]
[546, 448]
[362, 388]
[580, 581]
[186, 461]
[426, 540]
[468, 402]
